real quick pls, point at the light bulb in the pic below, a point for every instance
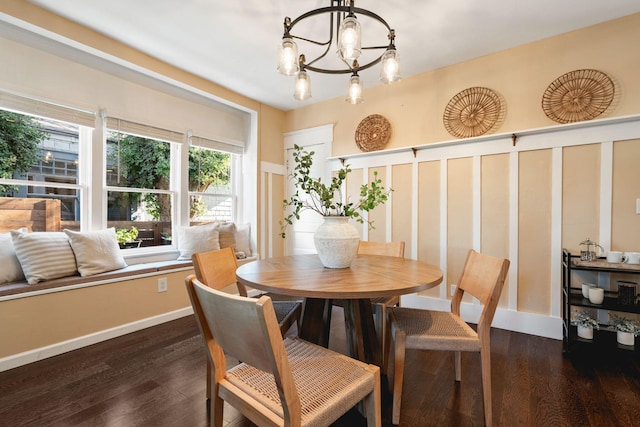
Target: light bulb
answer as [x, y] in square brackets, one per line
[302, 88]
[349, 39]
[288, 57]
[390, 71]
[355, 90]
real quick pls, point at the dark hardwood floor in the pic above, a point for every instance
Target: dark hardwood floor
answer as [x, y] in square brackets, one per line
[156, 377]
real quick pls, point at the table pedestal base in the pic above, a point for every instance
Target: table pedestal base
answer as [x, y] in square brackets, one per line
[362, 340]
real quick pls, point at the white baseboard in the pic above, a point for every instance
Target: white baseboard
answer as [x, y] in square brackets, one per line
[516, 321]
[31, 356]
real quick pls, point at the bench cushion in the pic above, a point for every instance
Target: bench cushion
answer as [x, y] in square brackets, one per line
[129, 271]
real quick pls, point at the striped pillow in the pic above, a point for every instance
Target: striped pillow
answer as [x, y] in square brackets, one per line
[44, 255]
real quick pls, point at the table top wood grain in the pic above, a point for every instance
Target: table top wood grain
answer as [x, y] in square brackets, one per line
[369, 276]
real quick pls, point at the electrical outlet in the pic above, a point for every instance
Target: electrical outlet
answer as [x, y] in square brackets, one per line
[638, 206]
[162, 284]
[453, 289]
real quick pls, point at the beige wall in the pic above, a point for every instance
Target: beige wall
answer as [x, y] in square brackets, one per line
[625, 230]
[43, 320]
[581, 195]
[495, 210]
[402, 200]
[534, 225]
[271, 139]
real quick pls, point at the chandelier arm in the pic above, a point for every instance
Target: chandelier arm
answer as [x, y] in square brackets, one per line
[331, 9]
[312, 41]
[343, 71]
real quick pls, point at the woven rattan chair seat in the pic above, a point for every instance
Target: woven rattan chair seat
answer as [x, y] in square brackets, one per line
[328, 383]
[429, 330]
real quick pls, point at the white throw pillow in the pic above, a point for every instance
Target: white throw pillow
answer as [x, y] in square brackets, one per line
[10, 270]
[243, 238]
[200, 238]
[44, 255]
[96, 251]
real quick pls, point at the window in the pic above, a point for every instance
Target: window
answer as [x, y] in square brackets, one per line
[210, 191]
[39, 159]
[138, 176]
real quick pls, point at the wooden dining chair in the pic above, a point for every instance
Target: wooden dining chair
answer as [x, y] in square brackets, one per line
[483, 277]
[279, 382]
[380, 304]
[217, 269]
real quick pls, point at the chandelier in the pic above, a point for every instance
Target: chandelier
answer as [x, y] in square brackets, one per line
[345, 29]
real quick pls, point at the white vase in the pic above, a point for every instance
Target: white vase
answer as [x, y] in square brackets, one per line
[585, 332]
[625, 338]
[336, 241]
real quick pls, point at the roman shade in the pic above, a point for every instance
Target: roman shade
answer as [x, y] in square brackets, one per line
[26, 105]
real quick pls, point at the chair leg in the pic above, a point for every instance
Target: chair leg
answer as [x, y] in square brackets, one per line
[485, 361]
[373, 403]
[456, 362]
[398, 374]
[379, 314]
[208, 379]
[216, 416]
[386, 346]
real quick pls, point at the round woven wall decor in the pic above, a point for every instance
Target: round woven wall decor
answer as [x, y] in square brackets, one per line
[578, 95]
[373, 133]
[472, 112]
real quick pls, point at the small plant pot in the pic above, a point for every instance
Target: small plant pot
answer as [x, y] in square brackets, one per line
[129, 245]
[585, 332]
[625, 338]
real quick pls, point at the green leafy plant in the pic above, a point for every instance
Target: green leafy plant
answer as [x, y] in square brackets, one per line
[624, 324]
[584, 319]
[19, 139]
[326, 199]
[126, 235]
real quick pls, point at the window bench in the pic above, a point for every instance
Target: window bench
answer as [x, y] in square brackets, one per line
[23, 289]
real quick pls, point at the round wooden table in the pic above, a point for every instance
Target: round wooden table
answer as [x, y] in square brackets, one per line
[369, 276]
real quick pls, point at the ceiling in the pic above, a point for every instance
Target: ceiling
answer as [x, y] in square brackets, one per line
[234, 43]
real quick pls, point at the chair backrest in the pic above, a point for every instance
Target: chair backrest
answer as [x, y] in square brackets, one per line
[217, 269]
[381, 248]
[483, 277]
[245, 328]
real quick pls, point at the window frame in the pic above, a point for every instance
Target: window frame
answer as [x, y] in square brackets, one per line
[93, 189]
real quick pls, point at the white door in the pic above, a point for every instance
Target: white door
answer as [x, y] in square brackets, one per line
[300, 236]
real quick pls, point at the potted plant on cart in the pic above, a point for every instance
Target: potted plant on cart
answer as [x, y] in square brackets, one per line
[336, 240]
[585, 323]
[626, 329]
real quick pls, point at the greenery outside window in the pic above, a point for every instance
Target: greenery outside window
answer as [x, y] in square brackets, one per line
[210, 192]
[138, 176]
[39, 158]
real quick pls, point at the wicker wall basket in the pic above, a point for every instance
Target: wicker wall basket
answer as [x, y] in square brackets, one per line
[373, 133]
[578, 95]
[473, 112]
